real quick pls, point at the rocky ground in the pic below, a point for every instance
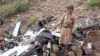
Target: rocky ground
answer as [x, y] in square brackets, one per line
[49, 7]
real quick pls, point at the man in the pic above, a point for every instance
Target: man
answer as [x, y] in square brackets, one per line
[67, 23]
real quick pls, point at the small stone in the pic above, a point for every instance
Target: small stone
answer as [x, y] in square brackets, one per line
[18, 15]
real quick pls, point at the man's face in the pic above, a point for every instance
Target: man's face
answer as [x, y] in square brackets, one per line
[70, 11]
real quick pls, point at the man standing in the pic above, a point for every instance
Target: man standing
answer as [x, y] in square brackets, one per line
[67, 22]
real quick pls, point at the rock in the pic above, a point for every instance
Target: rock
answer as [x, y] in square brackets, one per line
[77, 50]
[18, 15]
[96, 46]
[71, 53]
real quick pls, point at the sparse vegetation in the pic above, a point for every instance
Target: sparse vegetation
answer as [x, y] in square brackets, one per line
[93, 3]
[34, 19]
[19, 6]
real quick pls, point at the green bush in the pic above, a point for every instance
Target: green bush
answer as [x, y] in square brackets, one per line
[34, 19]
[11, 9]
[93, 3]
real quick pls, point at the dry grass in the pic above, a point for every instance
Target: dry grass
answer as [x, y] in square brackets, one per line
[14, 8]
[93, 4]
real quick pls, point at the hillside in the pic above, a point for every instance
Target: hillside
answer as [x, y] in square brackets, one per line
[45, 8]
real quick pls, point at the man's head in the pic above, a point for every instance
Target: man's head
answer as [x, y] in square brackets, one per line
[70, 9]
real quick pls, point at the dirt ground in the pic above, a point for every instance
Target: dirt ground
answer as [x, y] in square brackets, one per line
[94, 36]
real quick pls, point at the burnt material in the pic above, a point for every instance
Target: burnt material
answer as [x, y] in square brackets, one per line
[1, 22]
